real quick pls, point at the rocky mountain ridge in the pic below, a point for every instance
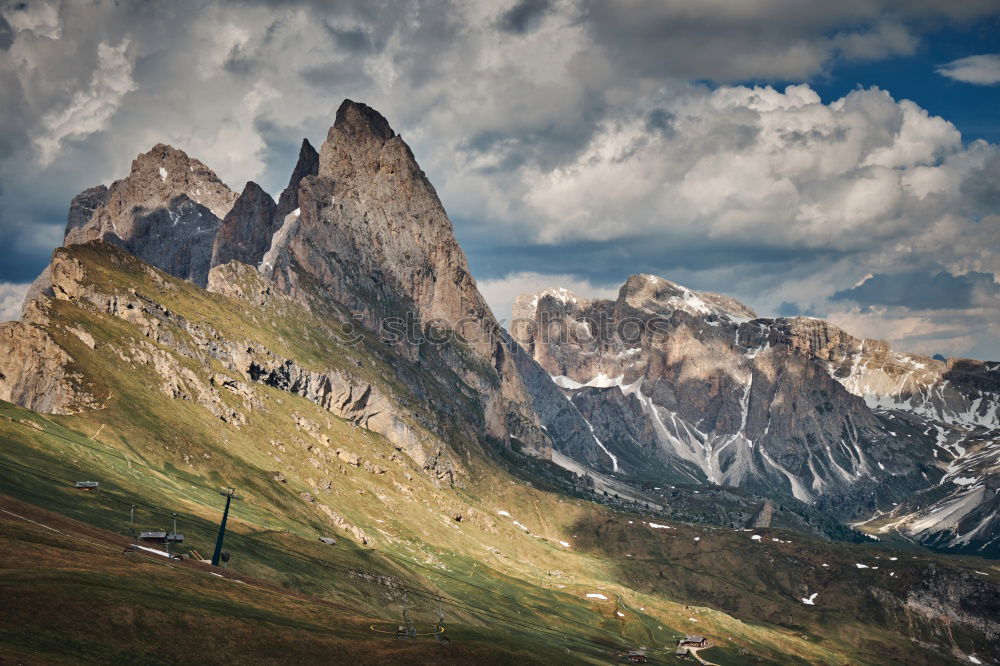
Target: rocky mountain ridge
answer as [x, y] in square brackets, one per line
[358, 235]
[697, 386]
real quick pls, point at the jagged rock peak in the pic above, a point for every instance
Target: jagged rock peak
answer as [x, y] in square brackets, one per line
[526, 305]
[360, 120]
[307, 165]
[166, 212]
[245, 234]
[168, 171]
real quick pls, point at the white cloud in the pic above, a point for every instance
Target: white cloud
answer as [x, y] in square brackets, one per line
[37, 17]
[582, 132]
[983, 70]
[750, 165]
[90, 109]
[11, 297]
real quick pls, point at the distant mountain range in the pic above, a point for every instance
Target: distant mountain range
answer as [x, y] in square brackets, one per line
[690, 386]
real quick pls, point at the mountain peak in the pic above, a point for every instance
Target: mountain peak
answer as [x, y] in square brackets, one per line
[651, 292]
[306, 165]
[360, 120]
[164, 172]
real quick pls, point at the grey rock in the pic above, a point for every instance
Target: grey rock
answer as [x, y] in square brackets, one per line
[246, 231]
[307, 165]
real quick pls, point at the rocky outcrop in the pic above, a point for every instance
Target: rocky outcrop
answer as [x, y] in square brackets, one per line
[663, 372]
[307, 165]
[81, 210]
[372, 233]
[170, 338]
[245, 233]
[763, 516]
[35, 372]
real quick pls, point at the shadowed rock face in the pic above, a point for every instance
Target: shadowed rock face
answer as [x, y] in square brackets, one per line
[245, 234]
[358, 225]
[307, 165]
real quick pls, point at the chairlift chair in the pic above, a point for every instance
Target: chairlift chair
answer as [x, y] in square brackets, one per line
[439, 627]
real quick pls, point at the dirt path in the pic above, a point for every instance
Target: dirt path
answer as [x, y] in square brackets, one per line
[694, 652]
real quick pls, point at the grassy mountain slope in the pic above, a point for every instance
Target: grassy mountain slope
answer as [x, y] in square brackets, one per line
[512, 561]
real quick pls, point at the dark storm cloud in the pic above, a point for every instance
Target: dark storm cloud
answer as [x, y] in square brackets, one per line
[353, 41]
[668, 256]
[661, 120]
[789, 309]
[524, 16]
[6, 34]
[780, 39]
[923, 291]
[336, 75]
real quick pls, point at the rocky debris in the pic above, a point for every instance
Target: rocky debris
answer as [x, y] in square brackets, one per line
[560, 418]
[348, 457]
[763, 516]
[246, 230]
[279, 477]
[251, 401]
[180, 382]
[359, 535]
[84, 337]
[240, 281]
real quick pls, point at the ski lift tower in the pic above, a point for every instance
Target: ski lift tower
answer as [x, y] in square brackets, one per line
[230, 495]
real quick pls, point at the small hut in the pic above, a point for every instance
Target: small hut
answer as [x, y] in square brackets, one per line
[692, 640]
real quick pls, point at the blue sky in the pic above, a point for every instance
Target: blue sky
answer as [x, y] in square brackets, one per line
[974, 109]
[763, 149]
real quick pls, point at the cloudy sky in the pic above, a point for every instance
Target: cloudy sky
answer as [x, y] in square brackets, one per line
[833, 159]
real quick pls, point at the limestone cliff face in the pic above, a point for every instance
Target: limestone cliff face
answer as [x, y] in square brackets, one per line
[35, 372]
[372, 233]
[166, 212]
[359, 232]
